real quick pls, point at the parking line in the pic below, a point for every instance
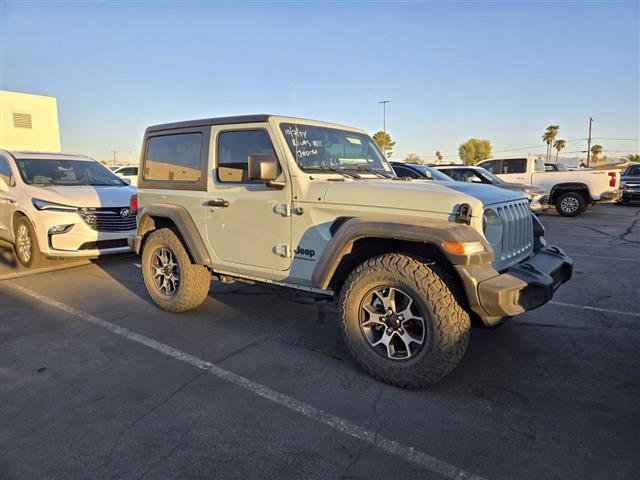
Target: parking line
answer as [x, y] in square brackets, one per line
[596, 309]
[408, 454]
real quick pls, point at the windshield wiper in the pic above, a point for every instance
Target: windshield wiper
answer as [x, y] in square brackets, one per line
[372, 171]
[341, 171]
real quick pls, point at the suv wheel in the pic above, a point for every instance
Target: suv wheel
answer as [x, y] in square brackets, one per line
[173, 282]
[570, 204]
[402, 322]
[26, 243]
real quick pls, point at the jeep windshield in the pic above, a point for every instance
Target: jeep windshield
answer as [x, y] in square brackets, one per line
[66, 172]
[331, 149]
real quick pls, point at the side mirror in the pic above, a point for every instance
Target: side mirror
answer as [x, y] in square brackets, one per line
[264, 167]
[4, 188]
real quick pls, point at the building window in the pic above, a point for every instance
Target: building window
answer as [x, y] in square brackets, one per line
[22, 120]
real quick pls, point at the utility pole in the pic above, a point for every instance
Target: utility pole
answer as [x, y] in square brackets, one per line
[114, 156]
[589, 142]
[384, 124]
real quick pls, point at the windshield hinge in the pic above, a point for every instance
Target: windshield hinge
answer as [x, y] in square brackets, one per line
[464, 214]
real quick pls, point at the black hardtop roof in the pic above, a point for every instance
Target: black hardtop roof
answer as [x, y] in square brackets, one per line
[203, 122]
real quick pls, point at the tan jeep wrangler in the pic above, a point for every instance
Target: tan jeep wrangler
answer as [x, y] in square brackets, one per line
[315, 206]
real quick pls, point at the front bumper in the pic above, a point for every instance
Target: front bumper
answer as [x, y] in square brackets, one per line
[630, 194]
[524, 286]
[79, 240]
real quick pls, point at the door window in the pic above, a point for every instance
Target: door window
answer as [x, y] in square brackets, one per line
[492, 165]
[405, 172]
[234, 149]
[515, 165]
[5, 172]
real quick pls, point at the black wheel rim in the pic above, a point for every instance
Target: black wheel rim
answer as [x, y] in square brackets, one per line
[393, 323]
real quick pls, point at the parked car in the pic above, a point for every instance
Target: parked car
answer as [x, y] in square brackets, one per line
[538, 197]
[315, 207]
[128, 173]
[570, 192]
[630, 184]
[411, 170]
[60, 205]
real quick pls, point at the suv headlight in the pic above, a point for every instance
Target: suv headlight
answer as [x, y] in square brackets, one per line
[45, 205]
[623, 185]
[492, 227]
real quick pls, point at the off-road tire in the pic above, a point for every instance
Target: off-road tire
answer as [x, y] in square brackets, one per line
[447, 323]
[35, 256]
[573, 198]
[195, 280]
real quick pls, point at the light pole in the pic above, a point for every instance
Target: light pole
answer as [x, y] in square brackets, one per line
[114, 156]
[384, 124]
[589, 142]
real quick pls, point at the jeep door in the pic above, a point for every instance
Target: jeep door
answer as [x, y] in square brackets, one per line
[248, 223]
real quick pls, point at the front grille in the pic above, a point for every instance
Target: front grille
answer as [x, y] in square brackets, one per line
[517, 233]
[109, 219]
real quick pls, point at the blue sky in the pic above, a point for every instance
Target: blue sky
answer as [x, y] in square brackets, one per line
[496, 70]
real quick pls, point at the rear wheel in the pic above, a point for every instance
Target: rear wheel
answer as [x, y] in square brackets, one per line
[173, 282]
[402, 322]
[570, 204]
[26, 243]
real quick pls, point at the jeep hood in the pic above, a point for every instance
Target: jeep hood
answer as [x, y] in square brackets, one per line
[83, 195]
[422, 195]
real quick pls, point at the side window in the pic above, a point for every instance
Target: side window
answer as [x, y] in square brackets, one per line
[129, 171]
[174, 157]
[234, 149]
[405, 172]
[516, 165]
[5, 172]
[492, 166]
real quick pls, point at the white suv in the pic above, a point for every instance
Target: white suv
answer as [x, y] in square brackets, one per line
[60, 205]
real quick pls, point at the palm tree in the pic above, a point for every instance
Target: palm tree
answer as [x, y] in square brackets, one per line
[633, 157]
[439, 156]
[596, 150]
[549, 135]
[559, 145]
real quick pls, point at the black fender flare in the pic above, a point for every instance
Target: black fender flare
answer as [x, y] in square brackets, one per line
[419, 230]
[183, 221]
[561, 188]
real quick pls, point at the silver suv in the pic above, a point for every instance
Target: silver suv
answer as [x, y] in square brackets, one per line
[316, 207]
[60, 205]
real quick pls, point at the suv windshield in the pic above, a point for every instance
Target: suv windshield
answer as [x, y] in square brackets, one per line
[323, 148]
[66, 172]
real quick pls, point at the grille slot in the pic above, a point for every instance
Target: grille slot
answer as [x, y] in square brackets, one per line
[517, 234]
[108, 219]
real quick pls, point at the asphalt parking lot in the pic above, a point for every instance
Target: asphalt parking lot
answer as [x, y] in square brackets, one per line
[96, 382]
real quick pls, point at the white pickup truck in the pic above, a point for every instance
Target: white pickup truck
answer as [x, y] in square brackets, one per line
[570, 191]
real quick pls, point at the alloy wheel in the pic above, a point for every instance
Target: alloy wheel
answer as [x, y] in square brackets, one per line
[166, 272]
[393, 323]
[23, 242]
[569, 204]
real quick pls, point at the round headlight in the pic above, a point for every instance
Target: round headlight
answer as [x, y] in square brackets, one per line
[492, 227]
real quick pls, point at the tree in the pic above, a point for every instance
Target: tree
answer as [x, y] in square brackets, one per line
[633, 157]
[413, 158]
[596, 150]
[474, 150]
[384, 141]
[559, 145]
[549, 136]
[439, 156]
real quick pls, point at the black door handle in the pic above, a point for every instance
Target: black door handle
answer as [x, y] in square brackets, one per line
[217, 202]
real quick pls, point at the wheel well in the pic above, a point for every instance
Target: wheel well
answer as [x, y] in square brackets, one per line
[579, 188]
[366, 248]
[151, 223]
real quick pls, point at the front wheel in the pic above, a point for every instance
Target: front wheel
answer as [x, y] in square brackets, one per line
[173, 282]
[402, 322]
[570, 204]
[26, 243]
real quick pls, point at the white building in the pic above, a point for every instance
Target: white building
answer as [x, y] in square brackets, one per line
[28, 122]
